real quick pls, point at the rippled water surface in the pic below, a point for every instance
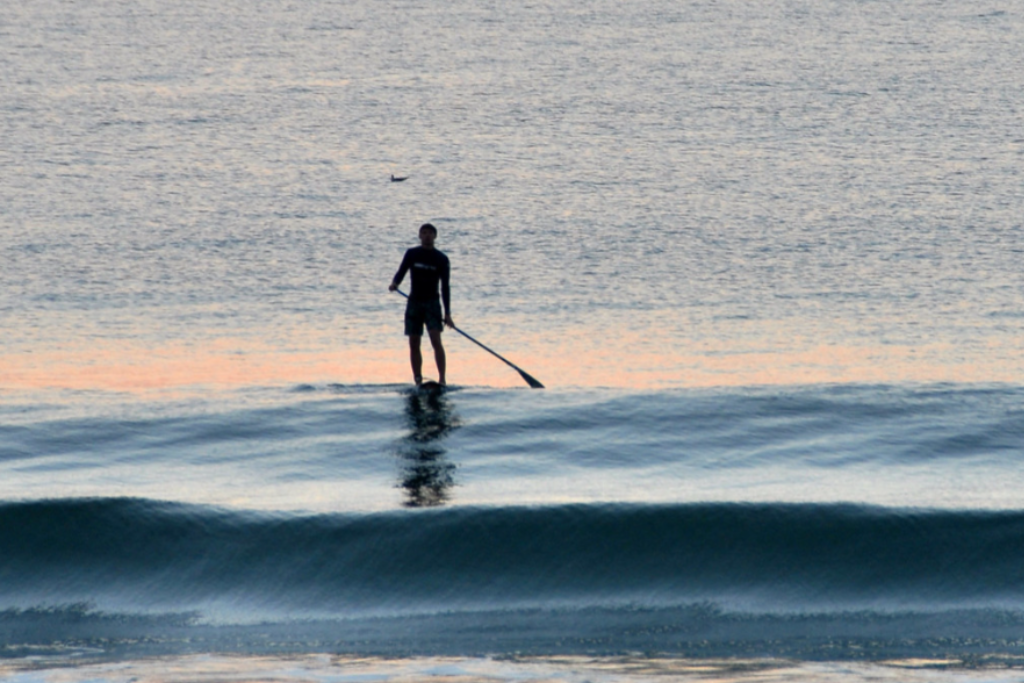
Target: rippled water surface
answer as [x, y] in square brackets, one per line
[638, 194]
[765, 256]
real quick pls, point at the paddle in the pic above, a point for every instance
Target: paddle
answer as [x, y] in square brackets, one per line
[522, 373]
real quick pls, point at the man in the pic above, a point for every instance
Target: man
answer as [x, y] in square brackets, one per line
[429, 268]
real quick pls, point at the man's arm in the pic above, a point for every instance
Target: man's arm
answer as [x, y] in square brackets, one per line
[446, 294]
[400, 275]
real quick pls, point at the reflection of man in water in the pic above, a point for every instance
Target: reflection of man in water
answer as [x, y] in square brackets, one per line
[429, 268]
[427, 476]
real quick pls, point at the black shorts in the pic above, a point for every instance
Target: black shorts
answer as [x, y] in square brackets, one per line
[419, 312]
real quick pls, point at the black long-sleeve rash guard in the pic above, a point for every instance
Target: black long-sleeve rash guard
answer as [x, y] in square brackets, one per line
[429, 267]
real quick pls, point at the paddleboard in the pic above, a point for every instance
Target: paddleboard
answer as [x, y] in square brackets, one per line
[430, 386]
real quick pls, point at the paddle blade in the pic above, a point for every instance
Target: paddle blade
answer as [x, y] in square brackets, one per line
[530, 380]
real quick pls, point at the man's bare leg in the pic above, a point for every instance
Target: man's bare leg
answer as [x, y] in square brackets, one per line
[439, 357]
[416, 358]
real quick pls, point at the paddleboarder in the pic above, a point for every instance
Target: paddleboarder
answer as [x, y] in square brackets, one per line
[429, 268]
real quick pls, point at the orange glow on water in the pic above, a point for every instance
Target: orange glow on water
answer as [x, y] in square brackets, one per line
[133, 368]
[577, 360]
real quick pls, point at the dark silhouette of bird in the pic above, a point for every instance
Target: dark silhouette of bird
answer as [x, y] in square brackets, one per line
[398, 180]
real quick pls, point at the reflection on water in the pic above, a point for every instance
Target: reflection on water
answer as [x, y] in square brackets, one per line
[639, 359]
[426, 475]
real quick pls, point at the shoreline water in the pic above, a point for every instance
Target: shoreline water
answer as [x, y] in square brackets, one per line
[328, 668]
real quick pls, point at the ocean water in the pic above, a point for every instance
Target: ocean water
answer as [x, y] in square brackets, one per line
[767, 531]
[764, 256]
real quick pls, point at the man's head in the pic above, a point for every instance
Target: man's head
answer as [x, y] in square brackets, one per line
[428, 233]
